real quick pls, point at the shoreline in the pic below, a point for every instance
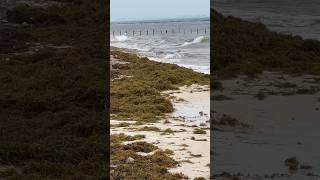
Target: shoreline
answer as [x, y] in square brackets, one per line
[193, 153]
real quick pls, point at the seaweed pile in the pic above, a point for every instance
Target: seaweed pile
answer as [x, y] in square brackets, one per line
[53, 63]
[242, 47]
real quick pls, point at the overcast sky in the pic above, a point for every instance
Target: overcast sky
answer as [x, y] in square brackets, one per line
[158, 9]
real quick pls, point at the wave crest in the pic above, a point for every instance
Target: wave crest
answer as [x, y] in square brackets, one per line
[199, 39]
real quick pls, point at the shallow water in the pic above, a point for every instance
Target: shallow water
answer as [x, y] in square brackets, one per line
[178, 45]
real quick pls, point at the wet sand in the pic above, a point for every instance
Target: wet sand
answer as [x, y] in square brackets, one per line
[191, 150]
[284, 122]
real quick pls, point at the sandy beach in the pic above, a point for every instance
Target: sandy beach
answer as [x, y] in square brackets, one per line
[191, 150]
[283, 114]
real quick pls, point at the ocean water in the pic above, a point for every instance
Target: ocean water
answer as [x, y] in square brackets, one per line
[297, 17]
[185, 42]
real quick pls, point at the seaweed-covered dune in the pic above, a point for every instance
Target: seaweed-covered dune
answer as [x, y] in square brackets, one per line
[244, 47]
[53, 68]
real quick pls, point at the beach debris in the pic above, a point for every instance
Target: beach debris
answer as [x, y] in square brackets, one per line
[199, 178]
[199, 131]
[260, 96]
[219, 97]
[292, 163]
[226, 176]
[166, 122]
[195, 155]
[130, 160]
[227, 120]
[167, 131]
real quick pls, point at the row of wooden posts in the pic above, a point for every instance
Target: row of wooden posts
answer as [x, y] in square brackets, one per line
[153, 32]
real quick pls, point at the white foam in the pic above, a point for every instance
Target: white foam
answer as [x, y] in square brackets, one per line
[199, 39]
[121, 38]
[197, 68]
[173, 56]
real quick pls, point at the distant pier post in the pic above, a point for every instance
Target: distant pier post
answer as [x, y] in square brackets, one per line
[153, 32]
[132, 33]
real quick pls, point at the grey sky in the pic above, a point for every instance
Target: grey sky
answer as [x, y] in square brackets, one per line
[158, 9]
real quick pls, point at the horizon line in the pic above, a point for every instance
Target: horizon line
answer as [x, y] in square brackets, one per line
[159, 19]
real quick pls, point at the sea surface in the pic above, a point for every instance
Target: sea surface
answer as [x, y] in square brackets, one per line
[185, 42]
[297, 17]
